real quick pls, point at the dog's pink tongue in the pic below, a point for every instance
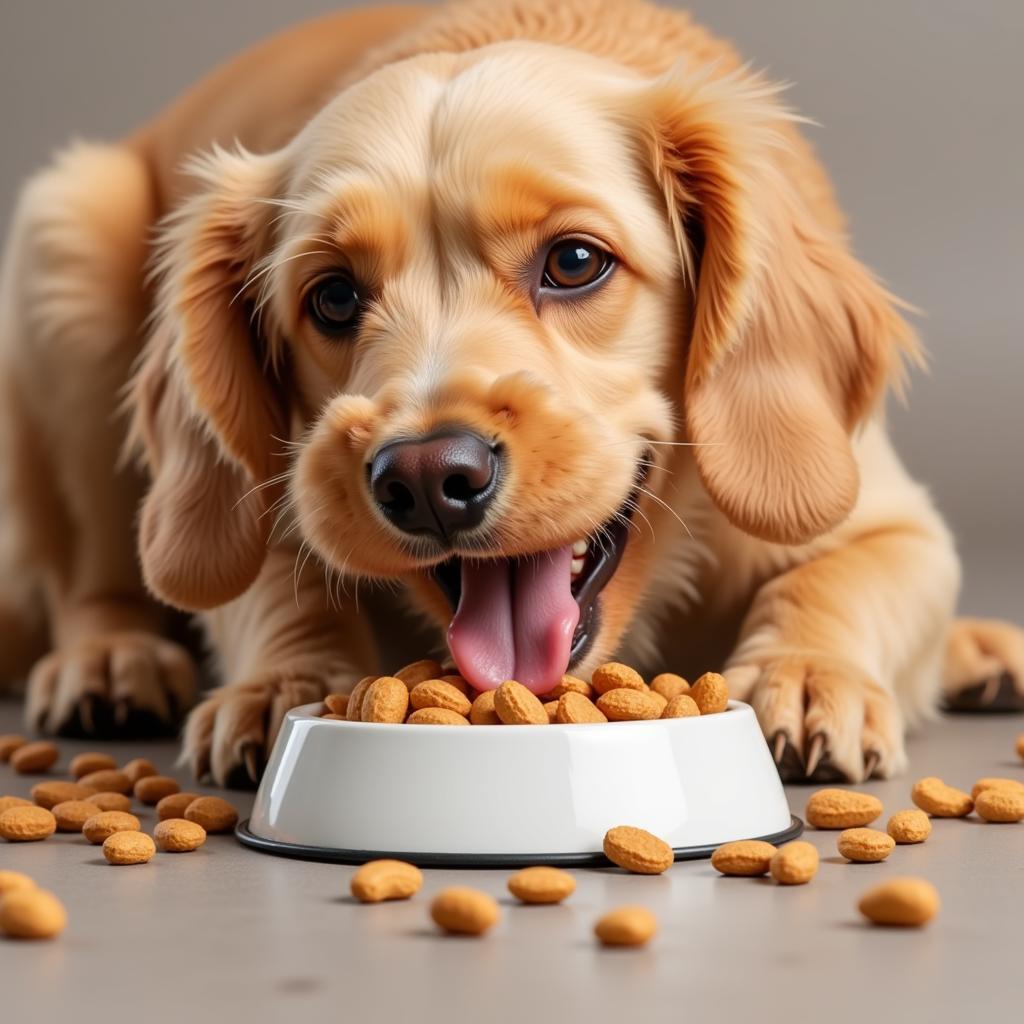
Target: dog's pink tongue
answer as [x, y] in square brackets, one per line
[515, 620]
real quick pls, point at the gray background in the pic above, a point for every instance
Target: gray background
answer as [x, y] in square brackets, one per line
[919, 107]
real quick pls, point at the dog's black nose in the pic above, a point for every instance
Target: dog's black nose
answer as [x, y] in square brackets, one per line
[439, 484]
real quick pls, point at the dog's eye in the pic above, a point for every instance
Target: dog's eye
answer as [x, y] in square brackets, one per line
[573, 263]
[334, 304]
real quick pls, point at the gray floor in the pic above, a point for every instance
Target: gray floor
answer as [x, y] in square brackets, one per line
[226, 931]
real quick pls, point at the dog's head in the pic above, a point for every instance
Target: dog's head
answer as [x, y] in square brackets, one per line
[453, 327]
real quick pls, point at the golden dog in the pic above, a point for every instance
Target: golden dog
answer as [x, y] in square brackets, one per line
[541, 311]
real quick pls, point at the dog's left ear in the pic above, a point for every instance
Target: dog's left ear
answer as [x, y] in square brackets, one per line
[792, 341]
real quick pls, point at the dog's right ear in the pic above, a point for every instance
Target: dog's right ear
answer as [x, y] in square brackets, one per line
[205, 407]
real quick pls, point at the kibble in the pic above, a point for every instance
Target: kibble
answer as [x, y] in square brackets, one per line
[111, 801]
[386, 701]
[626, 926]
[931, 794]
[626, 705]
[842, 808]
[995, 783]
[669, 685]
[34, 758]
[9, 743]
[27, 824]
[1000, 805]
[910, 826]
[436, 716]
[464, 911]
[354, 708]
[337, 704]
[516, 705]
[795, 863]
[575, 709]
[7, 802]
[151, 789]
[100, 827]
[482, 712]
[48, 794]
[71, 815]
[570, 684]
[177, 835]
[212, 812]
[92, 761]
[32, 914]
[616, 676]
[541, 885]
[710, 693]
[380, 880]
[419, 671]
[746, 858]
[175, 805]
[900, 902]
[681, 706]
[108, 780]
[12, 880]
[139, 768]
[128, 848]
[637, 851]
[865, 845]
[436, 693]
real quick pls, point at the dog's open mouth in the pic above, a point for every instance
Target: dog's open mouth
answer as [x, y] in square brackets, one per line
[532, 617]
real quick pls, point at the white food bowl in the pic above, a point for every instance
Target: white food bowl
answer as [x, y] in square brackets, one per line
[495, 795]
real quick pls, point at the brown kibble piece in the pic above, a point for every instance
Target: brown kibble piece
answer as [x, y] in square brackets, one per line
[92, 761]
[354, 708]
[576, 709]
[482, 712]
[865, 845]
[380, 880]
[34, 758]
[710, 693]
[745, 858]
[570, 684]
[7, 802]
[212, 812]
[435, 716]
[436, 693]
[32, 914]
[669, 685]
[616, 676]
[331, 717]
[541, 885]
[128, 848]
[111, 801]
[337, 704]
[842, 808]
[175, 805]
[139, 768]
[901, 902]
[516, 705]
[931, 794]
[151, 789]
[995, 783]
[71, 815]
[626, 926]
[681, 706]
[1020, 746]
[108, 780]
[460, 684]
[551, 710]
[48, 794]
[386, 701]
[637, 851]
[13, 880]
[464, 911]
[100, 827]
[624, 705]
[1000, 805]
[795, 863]
[910, 826]
[27, 824]
[9, 743]
[419, 671]
[176, 835]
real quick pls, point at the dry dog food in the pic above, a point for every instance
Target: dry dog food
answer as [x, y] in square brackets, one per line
[151, 789]
[175, 805]
[34, 758]
[637, 851]
[27, 824]
[47, 794]
[865, 845]
[1000, 805]
[213, 813]
[86, 764]
[747, 858]
[128, 848]
[1020, 746]
[139, 768]
[939, 800]
[902, 902]
[111, 801]
[909, 826]
[100, 827]
[108, 780]
[541, 885]
[842, 808]
[626, 926]
[176, 835]
[995, 783]
[31, 913]
[795, 863]
[71, 815]
[13, 801]
[464, 911]
[380, 880]
[9, 743]
[11, 880]
[617, 693]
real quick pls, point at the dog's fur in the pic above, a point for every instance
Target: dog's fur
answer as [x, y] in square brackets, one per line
[435, 153]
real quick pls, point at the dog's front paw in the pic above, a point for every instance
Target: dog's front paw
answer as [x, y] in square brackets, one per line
[825, 720]
[118, 683]
[230, 734]
[984, 666]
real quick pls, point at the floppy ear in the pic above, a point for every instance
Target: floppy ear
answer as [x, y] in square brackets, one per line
[205, 409]
[792, 340]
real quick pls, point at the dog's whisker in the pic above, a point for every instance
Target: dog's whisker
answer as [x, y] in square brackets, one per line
[667, 507]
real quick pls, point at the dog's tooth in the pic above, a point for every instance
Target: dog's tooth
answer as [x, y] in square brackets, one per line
[576, 566]
[579, 549]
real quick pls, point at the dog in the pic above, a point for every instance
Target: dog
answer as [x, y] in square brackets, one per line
[540, 315]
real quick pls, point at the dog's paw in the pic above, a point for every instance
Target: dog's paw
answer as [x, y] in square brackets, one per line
[984, 666]
[124, 683]
[230, 734]
[825, 720]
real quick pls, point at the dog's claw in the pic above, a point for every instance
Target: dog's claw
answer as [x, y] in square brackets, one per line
[871, 762]
[253, 761]
[779, 747]
[814, 753]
